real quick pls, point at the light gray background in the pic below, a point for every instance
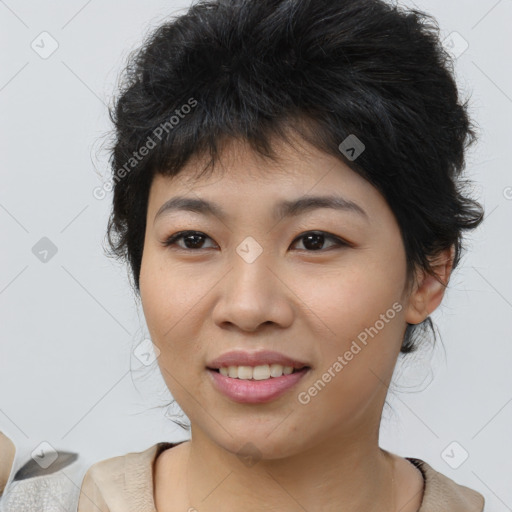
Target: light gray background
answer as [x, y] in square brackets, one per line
[68, 375]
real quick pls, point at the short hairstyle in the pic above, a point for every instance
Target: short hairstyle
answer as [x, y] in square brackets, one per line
[257, 70]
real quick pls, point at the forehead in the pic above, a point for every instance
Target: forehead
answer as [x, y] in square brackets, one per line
[243, 183]
[239, 168]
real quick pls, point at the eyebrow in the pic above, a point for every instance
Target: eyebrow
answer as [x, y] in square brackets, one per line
[286, 208]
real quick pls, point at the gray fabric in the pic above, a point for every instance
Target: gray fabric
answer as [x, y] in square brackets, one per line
[55, 488]
[51, 493]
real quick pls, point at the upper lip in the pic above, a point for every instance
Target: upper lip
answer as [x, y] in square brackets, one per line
[244, 358]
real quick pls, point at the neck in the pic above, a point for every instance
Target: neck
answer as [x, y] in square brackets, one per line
[334, 474]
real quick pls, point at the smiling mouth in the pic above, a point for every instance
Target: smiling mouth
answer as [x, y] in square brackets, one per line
[259, 372]
[256, 384]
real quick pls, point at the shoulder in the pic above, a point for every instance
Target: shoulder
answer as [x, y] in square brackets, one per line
[443, 494]
[121, 483]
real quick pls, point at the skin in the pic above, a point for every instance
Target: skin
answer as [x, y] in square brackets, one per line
[306, 303]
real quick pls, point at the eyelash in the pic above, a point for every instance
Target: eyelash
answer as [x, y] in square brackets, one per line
[171, 241]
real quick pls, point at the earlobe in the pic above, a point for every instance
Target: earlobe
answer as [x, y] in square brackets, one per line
[428, 291]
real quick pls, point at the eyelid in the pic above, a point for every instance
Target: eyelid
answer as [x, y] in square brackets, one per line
[170, 241]
[338, 241]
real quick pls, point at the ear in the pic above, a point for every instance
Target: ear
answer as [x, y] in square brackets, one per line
[428, 292]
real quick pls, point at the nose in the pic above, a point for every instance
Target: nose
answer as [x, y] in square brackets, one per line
[253, 295]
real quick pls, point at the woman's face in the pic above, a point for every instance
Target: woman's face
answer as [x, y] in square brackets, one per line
[256, 280]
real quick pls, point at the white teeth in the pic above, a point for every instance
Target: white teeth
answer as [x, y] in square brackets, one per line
[244, 372]
[262, 372]
[276, 370]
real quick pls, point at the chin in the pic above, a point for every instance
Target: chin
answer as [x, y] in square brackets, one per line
[251, 444]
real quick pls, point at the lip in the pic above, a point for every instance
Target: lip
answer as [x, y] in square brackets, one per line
[255, 391]
[244, 358]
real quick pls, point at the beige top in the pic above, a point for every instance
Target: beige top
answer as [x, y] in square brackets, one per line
[125, 484]
[7, 452]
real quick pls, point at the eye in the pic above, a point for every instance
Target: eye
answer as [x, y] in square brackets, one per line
[192, 239]
[314, 240]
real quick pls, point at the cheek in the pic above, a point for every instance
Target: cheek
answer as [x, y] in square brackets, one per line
[347, 301]
[358, 316]
[171, 301]
[357, 350]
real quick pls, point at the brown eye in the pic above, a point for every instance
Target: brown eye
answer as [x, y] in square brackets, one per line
[314, 240]
[192, 240]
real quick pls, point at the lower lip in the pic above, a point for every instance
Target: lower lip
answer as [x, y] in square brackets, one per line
[255, 391]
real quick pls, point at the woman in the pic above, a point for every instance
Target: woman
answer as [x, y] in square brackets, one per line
[288, 194]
